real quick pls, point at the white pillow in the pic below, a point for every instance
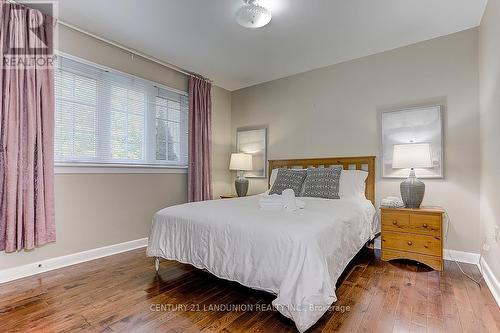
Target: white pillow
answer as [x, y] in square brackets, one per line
[352, 183]
[274, 174]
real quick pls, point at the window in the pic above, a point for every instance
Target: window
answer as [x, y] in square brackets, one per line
[105, 117]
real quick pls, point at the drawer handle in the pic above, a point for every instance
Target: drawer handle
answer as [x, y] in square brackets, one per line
[424, 225]
[410, 243]
[394, 222]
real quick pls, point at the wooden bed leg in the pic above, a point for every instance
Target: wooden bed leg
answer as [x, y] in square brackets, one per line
[157, 264]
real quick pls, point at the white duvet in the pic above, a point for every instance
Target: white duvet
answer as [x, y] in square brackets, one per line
[298, 256]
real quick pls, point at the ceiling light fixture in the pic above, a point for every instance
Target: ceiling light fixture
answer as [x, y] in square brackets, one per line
[252, 15]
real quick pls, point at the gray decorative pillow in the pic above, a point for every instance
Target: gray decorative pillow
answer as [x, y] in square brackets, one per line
[288, 178]
[322, 183]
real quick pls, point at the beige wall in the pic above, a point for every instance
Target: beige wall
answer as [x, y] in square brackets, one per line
[95, 210]
[489, 84]
[333, 111]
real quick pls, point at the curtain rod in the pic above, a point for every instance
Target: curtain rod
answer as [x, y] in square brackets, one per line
[128, 49]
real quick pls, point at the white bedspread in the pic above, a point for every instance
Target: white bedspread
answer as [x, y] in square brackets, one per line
[297, 256]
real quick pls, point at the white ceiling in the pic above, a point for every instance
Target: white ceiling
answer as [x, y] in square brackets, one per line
[202, 35]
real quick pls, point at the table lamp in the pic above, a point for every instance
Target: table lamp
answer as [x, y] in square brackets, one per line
[412, 155]
[241, 162]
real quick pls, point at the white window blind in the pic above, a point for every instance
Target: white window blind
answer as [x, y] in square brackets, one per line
[105, 117]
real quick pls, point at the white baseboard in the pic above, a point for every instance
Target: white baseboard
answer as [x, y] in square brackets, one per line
[460, 256]
[491, 280]
[46, 265]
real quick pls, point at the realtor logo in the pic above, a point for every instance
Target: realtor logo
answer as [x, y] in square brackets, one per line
[33, 44]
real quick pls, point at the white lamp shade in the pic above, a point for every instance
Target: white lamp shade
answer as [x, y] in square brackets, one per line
[412, 155]
[241, 162]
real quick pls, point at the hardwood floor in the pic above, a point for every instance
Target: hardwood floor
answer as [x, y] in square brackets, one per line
[122, 293]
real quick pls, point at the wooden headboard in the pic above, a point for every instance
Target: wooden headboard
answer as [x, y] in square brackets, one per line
[366, 163]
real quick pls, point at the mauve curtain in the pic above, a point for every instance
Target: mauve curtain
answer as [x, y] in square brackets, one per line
[26, 130]
[200, 140]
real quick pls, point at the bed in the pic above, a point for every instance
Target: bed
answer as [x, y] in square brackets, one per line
[297, 256]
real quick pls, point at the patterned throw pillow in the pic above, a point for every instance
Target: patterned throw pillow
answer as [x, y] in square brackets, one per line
[322, 183]
[288, 178]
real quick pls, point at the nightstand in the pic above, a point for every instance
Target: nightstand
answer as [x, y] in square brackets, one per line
[415, 234]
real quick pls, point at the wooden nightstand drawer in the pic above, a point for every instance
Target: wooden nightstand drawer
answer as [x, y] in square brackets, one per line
[430, 245]
[413, 223]
[395, 221]
[425, 223]
[432, 261]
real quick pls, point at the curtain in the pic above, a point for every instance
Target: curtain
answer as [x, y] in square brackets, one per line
[26, 128]
[200, 140]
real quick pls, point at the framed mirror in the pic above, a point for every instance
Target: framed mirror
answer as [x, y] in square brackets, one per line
[253, 141]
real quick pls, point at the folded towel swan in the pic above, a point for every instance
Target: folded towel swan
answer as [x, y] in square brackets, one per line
[286, 200]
